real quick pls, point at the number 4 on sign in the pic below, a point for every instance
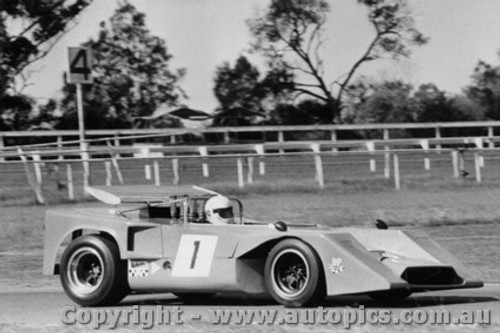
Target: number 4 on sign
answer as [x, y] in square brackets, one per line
[80, 63]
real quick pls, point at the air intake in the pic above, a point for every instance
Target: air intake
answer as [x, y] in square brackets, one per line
[427, 276]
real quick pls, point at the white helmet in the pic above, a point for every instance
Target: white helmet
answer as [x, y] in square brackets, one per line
[219, 210]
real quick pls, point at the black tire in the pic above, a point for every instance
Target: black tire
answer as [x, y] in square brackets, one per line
[390, 296]
[294, 275]
[92, 273]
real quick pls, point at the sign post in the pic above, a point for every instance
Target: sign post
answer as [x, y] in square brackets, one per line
[79, 61]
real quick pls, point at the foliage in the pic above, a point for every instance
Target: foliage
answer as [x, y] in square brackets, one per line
[290, 35]
[398, 102]
[485, 89]
[131, 74]
[387, 102]
[432, 105]
[237, 87]
[244, 97]
[46, 118]
[14, 112]
[28, 30]
[306, 112]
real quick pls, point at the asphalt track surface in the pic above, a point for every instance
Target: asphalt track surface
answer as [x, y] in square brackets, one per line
[40, 311]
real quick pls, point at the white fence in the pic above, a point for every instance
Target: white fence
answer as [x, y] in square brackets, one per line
[110, 150]
[249, 161]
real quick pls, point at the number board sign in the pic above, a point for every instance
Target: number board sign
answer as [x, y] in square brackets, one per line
[80, 62]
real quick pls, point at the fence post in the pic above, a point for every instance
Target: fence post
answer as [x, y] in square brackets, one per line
[33, 183]
[262, 166]
[119, 175]
[38, 170]
[250, 170]
[204, 165]
[480, 145]
[454, 162]
[2, 146]
[397, 180]
[438, 136]
[239, 165]
[477, 164]
[147, 171]
[387, 156]
[175, 169]
[156, 168]
[479, 142]
[38, 177]
[145, 153]
[425, 146]
[370, 146]
[109, 175]
[281, 139]
[60, 146]
[318, 162]
[491, 134]
[333, 137]
[86, 166]
[69, 175]
[114, 162]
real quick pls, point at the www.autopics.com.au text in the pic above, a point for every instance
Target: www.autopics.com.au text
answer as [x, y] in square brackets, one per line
[149, 316]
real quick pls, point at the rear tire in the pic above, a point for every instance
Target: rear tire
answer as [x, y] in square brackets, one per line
[294, 275]
[92, 273]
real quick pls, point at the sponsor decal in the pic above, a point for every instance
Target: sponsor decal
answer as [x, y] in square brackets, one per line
[138, 268]
[336, 265]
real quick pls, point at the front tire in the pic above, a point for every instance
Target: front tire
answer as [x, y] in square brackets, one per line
[293, 274]
[92, 273]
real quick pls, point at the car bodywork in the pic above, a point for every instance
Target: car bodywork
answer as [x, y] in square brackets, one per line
[168, 248]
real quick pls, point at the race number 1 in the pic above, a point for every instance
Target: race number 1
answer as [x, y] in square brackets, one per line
[80, 63]
[194, 256]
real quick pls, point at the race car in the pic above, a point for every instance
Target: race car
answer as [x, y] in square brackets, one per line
[167, 243]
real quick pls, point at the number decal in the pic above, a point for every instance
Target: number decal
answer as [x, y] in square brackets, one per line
[196, 248]
[194, 256]
[80, 64]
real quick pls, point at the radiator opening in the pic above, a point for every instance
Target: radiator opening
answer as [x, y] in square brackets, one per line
[431, 276]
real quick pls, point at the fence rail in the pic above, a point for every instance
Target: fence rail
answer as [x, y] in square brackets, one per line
[176, 134]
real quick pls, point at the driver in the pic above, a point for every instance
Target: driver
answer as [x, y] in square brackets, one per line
[219, 210]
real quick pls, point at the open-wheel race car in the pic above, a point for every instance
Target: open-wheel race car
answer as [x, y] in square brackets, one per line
[171, 243]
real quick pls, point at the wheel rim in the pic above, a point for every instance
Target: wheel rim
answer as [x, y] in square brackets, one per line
[85, 270]
[290, 271]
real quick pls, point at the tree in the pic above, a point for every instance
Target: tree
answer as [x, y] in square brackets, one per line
[46, 116]
[244, 95]
[237, 87]
[306, 112]
[42, 24]
[387, 102]
[132, 77]
[432, 105]
[485, 89]
[15, 112]
[290, 34]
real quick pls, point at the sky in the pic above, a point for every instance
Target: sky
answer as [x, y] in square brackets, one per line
[203, 34]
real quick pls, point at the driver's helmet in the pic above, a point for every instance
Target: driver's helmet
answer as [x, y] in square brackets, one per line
[219, 210]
